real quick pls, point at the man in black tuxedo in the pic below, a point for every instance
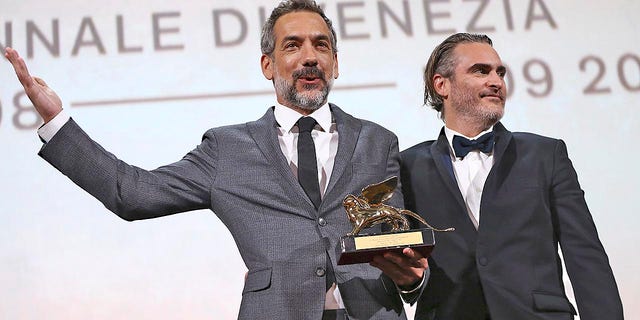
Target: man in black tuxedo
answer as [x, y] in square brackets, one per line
[512, 197]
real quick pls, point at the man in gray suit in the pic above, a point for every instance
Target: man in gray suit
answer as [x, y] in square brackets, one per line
[286, 231]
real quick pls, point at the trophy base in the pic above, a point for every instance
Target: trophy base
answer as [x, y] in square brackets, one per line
[362, 248]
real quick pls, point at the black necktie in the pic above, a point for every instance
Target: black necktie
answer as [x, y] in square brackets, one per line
[462, 146]
[307, 163]
[308, 175]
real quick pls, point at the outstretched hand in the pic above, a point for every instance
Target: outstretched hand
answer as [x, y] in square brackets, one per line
[45, 100]
[405, 269]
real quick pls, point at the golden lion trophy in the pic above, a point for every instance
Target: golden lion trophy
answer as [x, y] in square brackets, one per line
[368, 210]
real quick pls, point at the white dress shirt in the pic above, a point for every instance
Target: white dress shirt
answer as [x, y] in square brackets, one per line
[471, 173]
[324, 135]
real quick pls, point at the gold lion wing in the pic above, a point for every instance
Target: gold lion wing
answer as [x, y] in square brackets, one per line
[380, 192]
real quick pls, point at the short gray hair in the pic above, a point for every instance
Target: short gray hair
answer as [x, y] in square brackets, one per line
[268, 38]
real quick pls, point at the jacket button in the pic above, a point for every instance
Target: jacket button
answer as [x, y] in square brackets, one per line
[320, 271]
[322, 222]
[483, 261]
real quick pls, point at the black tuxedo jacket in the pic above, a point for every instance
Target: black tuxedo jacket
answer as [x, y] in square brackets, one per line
[509, 267]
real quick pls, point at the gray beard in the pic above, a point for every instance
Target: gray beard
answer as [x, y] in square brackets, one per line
[469, 107]
[310, 101]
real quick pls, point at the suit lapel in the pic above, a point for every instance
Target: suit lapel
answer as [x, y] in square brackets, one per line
[442, 158]
[264, 134]
[348, 131]
[440, 152]
[504, 157]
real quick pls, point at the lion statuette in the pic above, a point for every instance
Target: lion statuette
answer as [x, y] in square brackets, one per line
[369, 209]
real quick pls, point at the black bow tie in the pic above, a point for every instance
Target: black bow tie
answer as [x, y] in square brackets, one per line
[462, 146]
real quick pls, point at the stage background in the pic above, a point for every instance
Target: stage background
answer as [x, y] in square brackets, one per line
[147, 78]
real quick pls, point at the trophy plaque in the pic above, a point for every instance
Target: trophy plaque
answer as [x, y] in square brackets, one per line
[369, 209]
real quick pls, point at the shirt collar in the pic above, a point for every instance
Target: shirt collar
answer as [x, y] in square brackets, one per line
[287, 117]
[450, 133]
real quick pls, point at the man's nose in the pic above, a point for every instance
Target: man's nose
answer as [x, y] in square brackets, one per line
[309, 55]
[495, 80]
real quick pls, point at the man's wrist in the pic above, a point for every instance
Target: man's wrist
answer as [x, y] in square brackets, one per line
[49, 129]
[413, 288]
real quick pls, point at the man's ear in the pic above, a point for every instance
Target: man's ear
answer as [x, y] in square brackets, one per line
[266, 63]
[441, 85]
[335, 66]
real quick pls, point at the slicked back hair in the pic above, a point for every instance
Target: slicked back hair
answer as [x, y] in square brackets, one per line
[442, 61]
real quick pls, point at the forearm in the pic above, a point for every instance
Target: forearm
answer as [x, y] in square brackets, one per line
[130, 192]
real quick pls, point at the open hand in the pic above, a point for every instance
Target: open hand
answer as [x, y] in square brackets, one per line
[45, 100]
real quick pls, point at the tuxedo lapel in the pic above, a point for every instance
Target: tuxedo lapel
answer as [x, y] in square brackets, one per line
[348, 132]
[440, 152]
[442, 159]
[264, 134]
[504, 157]
[504, 154]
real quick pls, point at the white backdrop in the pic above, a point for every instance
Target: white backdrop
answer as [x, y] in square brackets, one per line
[146, 80]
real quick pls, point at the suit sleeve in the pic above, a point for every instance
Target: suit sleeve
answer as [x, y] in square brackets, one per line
[587, 264]
[131, 192]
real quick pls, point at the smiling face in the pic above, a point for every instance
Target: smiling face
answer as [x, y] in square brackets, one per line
[474, 96]
[303, 64]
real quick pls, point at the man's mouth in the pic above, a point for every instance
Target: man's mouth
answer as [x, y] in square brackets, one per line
[309, 76]
[310, 79]
[497, 95]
